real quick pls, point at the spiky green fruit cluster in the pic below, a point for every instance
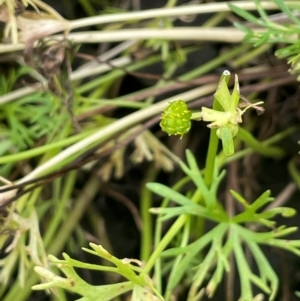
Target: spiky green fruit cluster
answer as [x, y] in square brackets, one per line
[176, 118]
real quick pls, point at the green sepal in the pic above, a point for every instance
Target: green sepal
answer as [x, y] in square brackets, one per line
[235, 96]
[222, 95]
[217, 118]
[227, 140]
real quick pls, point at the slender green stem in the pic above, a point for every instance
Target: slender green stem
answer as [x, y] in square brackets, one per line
[14, 292]
[162, 82]
[249, 55]
[171, 12]
[98, 82]
[269, 151]
[27, 201]
[88, 7]
[211, 157]
[62, 295]
[219, 60]
[120, 102]
[145, 205]
[294, 172]
[184, 242]
[216, 19]
[177, 225]
[60, 209]
[44, 148]
[80, 205]
[218, 34]
[97, 223]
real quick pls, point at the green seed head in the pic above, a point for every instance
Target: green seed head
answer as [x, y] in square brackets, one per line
[176, 118]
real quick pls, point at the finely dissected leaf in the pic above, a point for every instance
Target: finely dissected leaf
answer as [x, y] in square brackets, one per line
[268, 280]
[287, 11]
[250, 213]
[77, 285]
[242, 265]
[243, 28]
[139, 280]
[194, 172]
[123, 267]
[289, 245]
[244, 14]
[221, 247]
[262, 200]
[209, 194]
[192, 162]
[107, 292]
[218, 253]
[193, 249]
[206, 264]
[176, 251]
[222, 266]
[168, 193]
[275, 31]
[167, 213]
[139, 293]
[288, 51]
[284, 211]
[212, 211]
[266, 272]
[196, 177]
[239, 198]
[261, 12]
[193, 209]
[257, 281]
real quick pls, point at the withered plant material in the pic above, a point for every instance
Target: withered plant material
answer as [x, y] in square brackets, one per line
[34, 26]
[19, 7]
[24, 26]
[53, 61]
